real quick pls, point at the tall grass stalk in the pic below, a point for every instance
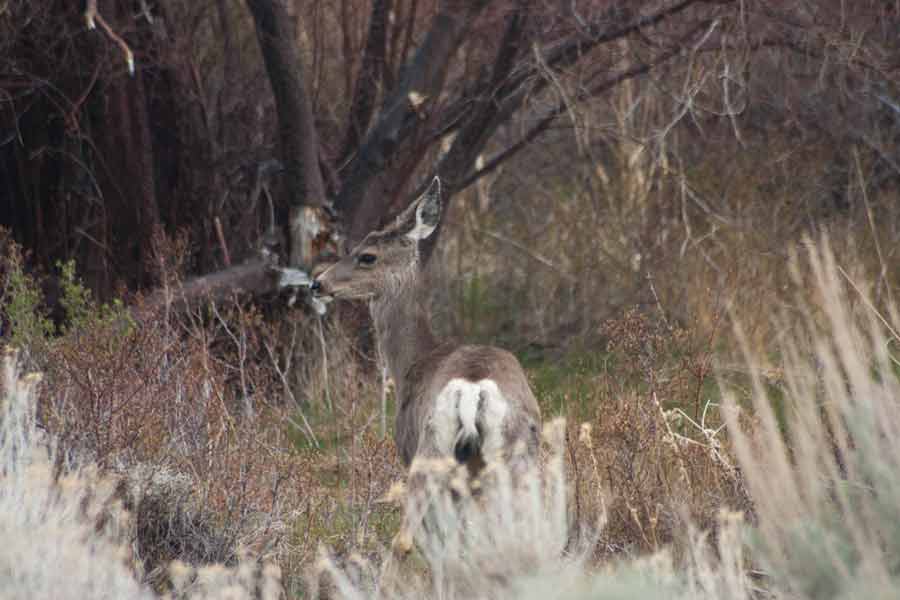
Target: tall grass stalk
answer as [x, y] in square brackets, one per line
[59, 534]
[826, 485]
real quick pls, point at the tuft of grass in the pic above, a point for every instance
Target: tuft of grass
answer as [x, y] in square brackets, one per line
[569, 386]
[54, 544]
[824, 488]
[474, 545]
[66, 533]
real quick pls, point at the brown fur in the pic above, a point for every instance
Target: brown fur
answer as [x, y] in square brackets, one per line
[427, 376]
[385, 269]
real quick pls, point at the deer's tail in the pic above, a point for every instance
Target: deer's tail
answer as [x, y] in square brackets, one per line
[468, 420]
[468, 442]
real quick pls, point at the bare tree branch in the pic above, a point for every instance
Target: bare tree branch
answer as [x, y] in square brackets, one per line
[255, 276]
[545, 121]
[572, 51]
[420, 84]
[479, 121]
[299, 141]
[512, 90]
[365, 91]
[92, 17]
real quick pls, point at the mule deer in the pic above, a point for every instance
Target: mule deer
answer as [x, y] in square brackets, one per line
[470, 404]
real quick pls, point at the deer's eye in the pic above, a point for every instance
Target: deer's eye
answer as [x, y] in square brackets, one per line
[366, 259]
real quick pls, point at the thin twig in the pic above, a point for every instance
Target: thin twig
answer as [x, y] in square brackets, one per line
[871, 307]
[92, 17]
[321, 333]
[384, 386]
[226, 256]
[532, 254]
[145, 12]
[882, 277]
[305, 427]
[662, 311]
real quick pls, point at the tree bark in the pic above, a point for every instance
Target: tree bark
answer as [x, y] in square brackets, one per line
[297, 131]
[365, 91]
[129, 182]
[420, 84]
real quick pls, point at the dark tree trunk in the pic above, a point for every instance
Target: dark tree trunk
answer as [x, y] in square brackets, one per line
[129, 182]
[417, 91]
[297, 131]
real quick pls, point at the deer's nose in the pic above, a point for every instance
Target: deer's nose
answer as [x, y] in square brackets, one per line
[315, 286]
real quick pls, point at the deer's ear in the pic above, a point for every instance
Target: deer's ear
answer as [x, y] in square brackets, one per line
[428, 212]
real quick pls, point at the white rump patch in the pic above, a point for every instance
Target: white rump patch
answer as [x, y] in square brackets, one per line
[464, 405]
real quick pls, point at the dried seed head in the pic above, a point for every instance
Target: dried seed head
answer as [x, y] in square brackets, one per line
[584, 435]
[396, 494]
[555, 432]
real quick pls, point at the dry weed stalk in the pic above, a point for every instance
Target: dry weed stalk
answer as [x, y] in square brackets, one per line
[660, 468]
[825, 479]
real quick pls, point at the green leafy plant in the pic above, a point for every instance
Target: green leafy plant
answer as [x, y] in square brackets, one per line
[82, 310]
[27, 325]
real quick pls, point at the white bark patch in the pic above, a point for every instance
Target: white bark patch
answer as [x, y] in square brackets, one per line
[416, 99]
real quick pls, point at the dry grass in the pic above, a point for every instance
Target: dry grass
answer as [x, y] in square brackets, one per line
[227, 432]
[823, 483]
[172, 440]
[647, 483]
[66, 533]
[826, 489]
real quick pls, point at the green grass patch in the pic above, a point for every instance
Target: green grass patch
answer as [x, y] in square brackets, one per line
[572, 385]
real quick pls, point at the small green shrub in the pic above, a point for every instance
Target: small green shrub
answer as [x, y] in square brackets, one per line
[82, 311]
[28, 327]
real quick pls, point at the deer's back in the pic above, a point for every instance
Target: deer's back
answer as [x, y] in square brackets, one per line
[431, 375]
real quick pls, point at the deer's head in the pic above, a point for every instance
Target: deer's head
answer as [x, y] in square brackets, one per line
[386, 259]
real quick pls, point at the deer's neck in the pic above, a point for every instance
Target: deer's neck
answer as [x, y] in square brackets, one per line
[403, 330]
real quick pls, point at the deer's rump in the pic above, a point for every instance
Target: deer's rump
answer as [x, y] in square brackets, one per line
[472, 403]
